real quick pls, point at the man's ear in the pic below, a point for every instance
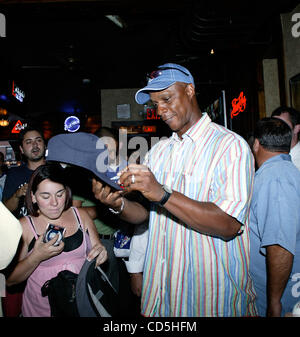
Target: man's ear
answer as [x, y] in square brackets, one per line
[296, 129]
[255, 146]
[190, 90]
[21, 149]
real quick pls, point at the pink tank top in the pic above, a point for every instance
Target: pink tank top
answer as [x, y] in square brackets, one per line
[34, 304]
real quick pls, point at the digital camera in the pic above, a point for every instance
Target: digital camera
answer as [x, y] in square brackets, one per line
[51, 231]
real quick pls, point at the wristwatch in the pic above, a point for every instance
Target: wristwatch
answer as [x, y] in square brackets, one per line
[168, 191]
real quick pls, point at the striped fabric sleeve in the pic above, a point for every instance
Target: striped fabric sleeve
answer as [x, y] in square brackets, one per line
[233, 183]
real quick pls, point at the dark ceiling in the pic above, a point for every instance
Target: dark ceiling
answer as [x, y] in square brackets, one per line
[68, 49]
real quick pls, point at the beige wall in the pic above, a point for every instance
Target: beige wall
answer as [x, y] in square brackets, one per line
[291, 49]
[271, 85]
[270, 99]
[111, 98]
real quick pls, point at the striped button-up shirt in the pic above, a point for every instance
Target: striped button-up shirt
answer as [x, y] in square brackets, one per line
[187, 273]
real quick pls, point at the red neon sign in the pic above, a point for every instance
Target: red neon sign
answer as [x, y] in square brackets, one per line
[17, 92]
[152, 114]
[18, 127]
[238, 105]
[149, 128]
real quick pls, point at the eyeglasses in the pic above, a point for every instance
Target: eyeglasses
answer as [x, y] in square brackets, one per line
[158, 72]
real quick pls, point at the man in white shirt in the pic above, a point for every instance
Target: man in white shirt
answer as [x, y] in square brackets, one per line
[292, 117]
[136, 258]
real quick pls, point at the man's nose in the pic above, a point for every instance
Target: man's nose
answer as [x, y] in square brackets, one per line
[161, 109]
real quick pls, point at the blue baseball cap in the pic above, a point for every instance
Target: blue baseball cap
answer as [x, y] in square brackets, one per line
[85, 150]
[162, 78]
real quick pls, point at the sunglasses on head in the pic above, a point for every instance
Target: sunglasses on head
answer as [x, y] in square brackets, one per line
[158, 72]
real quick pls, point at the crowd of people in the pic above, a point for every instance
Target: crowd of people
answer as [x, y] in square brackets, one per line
[211, 236]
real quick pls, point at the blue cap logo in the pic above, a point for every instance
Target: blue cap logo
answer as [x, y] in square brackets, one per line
[72, 124]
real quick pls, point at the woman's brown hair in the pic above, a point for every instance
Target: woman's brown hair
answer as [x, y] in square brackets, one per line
[53, 172]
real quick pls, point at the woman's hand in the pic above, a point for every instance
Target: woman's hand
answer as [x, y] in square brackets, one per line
[98, 251]
[44, 251]
[29, 262]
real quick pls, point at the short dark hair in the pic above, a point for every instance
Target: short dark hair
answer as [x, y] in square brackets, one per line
[273, 134]
[27, 129]
[294, 115]
[105, 131]
[53, 172]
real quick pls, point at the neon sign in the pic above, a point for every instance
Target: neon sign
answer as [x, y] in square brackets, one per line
[149, 128]
[72, 124]
[151, 114]
[238, 105]
[18, 127]
[17, 92]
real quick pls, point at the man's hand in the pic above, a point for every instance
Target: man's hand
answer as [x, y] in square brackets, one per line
[136, 282]
[274, 309]
[13, 202]
[21, 191]
[132, 212]
[105, 195]
[139, 178]
[279, 266]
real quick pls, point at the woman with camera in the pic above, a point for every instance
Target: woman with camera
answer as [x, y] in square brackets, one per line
[43, 254]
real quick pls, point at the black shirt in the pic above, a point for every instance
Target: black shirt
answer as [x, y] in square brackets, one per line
[16, 176]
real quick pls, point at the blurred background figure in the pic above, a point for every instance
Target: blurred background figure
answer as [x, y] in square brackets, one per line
[292, 117]
[106, 222]
[274, 219]
[32, 146]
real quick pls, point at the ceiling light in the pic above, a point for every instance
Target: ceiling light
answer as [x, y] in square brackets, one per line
[4, 122]
[116, 19]
[212, 51]
[3, 112]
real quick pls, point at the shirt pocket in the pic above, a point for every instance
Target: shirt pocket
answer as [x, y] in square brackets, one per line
[195, 186]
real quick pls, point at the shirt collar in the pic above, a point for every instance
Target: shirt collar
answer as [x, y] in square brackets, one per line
[196, 130]
[295, 148]
[279, 157]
